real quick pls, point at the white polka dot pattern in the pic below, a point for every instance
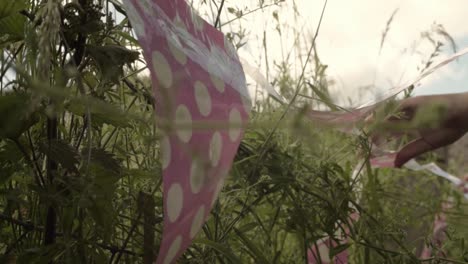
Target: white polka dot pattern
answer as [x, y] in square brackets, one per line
[197, 175]
[162, 69]
[175, 201]
[216, 145]
[203, 98]
[235, 122]
[137, 23]
[197, 222]
[173, 250]
[179, 23]
[183, 122]
[178, 54]
[188, 60]
[324, 253]
[165, 152]
[218, 83]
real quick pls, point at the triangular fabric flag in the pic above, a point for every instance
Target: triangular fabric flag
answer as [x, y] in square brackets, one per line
[261, 80]
[202, 105]
[320, 253]
[351, 117]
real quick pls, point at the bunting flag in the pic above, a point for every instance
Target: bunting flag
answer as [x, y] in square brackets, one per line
[258, 77]
[202, 106]
[345, 120]
[321, 252]
[438, 233]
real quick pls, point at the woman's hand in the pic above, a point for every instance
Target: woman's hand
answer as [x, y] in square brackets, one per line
[434, 121]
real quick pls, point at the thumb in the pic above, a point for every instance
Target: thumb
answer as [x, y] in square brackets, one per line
[427, 142]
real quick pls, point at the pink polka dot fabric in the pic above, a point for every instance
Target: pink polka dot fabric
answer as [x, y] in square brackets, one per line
[345, 121]
[202, 105]
[384, 161]
[342, 120]
[438, 233]
[320, 253]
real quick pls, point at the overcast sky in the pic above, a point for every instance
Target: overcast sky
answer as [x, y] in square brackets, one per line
[350, 36]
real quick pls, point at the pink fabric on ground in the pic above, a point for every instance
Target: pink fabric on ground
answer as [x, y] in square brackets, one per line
[384, 161]
[320, 253]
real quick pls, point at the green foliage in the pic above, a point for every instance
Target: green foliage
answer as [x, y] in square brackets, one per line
[110, 60]
[16, 118]
[79, 146]
[11, 21]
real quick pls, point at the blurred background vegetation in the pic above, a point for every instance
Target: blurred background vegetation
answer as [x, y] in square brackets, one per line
[80, 177]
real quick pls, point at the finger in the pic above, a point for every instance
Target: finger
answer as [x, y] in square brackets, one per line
[393, 126]
[464, 184]
[407, 109]
[411, 150]
[425, 143]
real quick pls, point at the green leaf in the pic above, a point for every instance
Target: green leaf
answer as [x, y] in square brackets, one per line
[118, 7]
[103, 213]
[106, 163]
[248, 227]
[61, 152]
[101, 111]
[9, 152]
[42, 255]
[226, 251]
[9, 7]
[104, 172]
[338, 249]
[275, 15]
[324, 97]
[11, 21]
[110, 60]
[254, 251]
[16, 117]
[10, 160]
[128, 37]
[231, 10]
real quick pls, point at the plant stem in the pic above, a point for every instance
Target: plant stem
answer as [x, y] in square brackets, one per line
[219, 14]
[51, 218]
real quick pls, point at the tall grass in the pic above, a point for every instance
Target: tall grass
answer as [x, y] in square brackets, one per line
[290, 185]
